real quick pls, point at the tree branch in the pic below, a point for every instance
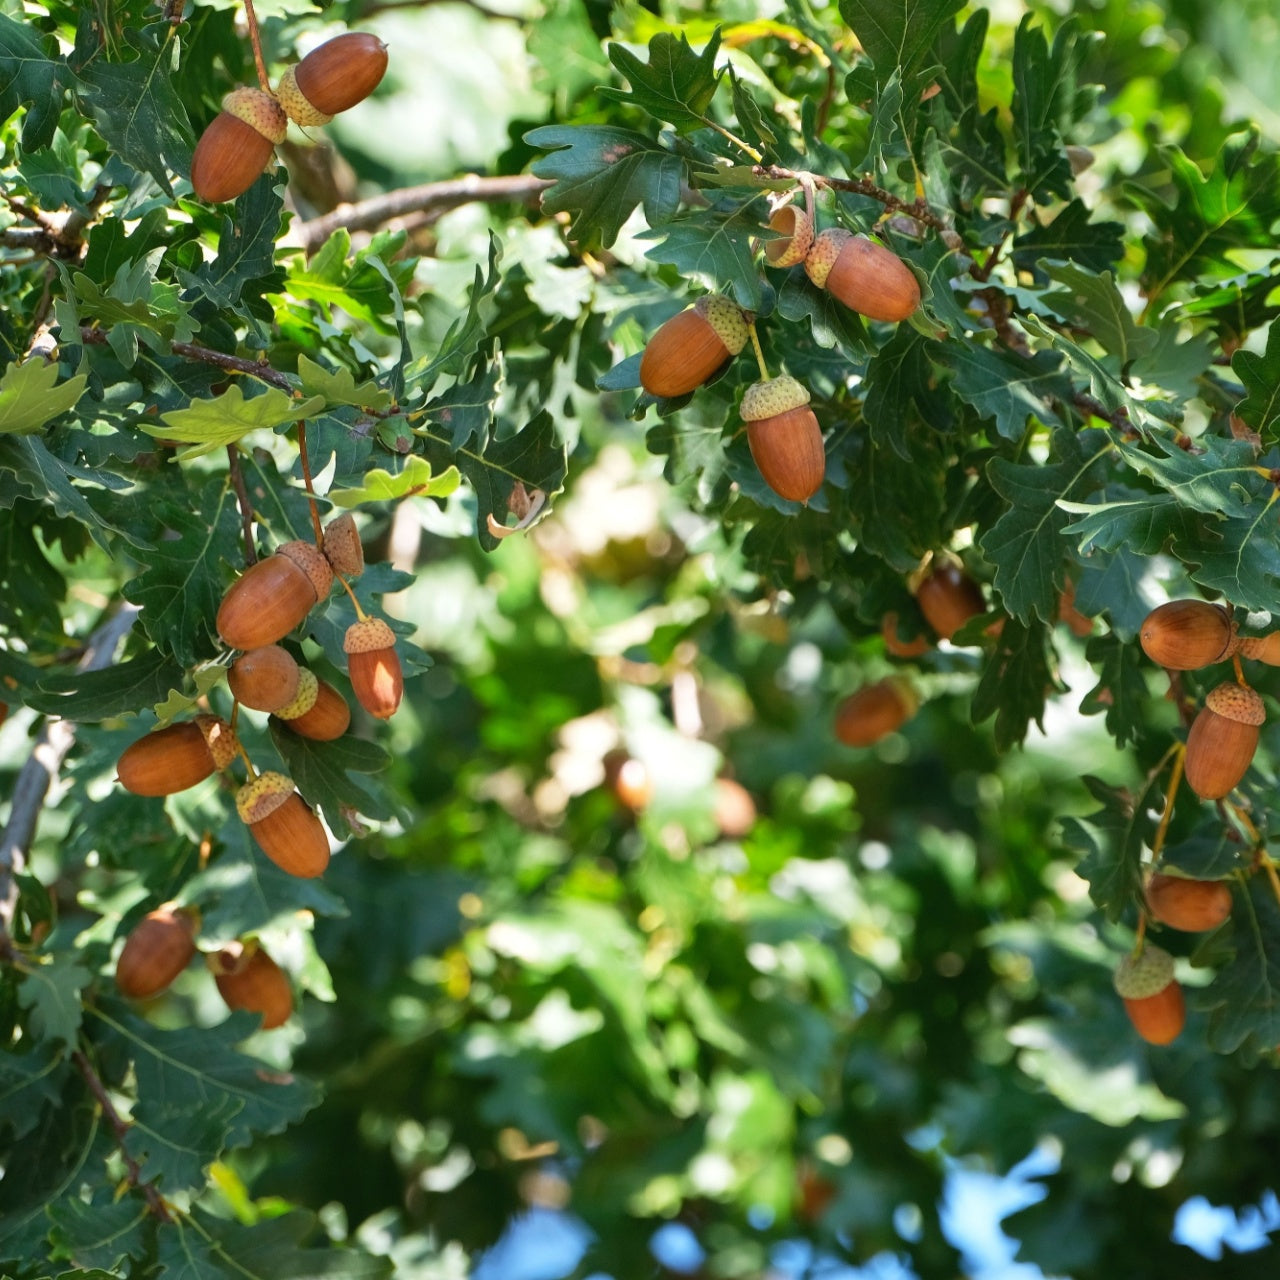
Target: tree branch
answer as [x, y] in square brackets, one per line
[37, 775]
[917, 209]
[432, 198]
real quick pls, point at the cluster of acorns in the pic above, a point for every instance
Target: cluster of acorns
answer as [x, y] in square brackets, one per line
[1186, 635]
[261, 608]
[238, 144]
[782, 430]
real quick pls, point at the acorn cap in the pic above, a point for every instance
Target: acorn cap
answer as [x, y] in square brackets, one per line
[367, 635]
[304, 699]
[310, 559]
[727, 319]
[342, 546]
[771, 397]
[1236, 702]
[259, 110]
[296, 104]
[262, 796]
[823, 253]
[796, 239]
[220, 738]
[1145, 974]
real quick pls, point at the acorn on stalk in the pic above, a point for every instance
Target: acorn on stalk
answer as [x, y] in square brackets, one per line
[237, 145]
[692, 345]
[1185, 635]
[1191, 905]
[172, 759]
[948, 597]
[248, 978]
[864, 275]
[283, 825]
[1151, 994]
[1222, 740]
[271, 597]
[784, 437]
[333, 77]
[157, 949]
[374, 666]
[318, 711]
[265, 678]
[875, 711]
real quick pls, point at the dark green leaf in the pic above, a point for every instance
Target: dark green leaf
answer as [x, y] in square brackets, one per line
[1006, 387]
[466, 409]
[272, 1249]
[100, 1234]
[716, 250]
[326, 774]
[122, 689]
[1017, 679]
[898, 35]
[246, 248]
[461, 345]
[675, 85]
[1243, 1001]
[1121, 691]
[1260, 409]
[1111, 840]
[1071, 237]
[174, 1145]
[29, 1082]
[29, 74]
[50, 992]
[1093, 302]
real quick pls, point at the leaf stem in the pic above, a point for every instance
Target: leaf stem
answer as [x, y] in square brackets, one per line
[755, 343]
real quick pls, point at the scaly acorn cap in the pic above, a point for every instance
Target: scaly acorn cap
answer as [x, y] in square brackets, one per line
[726, 318]
[1237, 702]
[262, 796]
[1145, 974]
[342, 548]
[823, 253]
[296, 104]
[304, 699]
[220, 738]
[367, 635]
[796, 228]
[259, 110]
[310, 559]
[771, 397]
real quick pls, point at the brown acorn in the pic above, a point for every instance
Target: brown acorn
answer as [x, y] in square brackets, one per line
[1184, 635]
[1191, 905]
[948, 598]
[875, 711]
[271, 597]
[342, 547]
[374, 666]
[628, 779]
[177, 757]
[157, 949]
[332, 78]
[864, 275]
[733, 809]
[784, 437]
[1151, 994]
[1223, 739]
[796, 236]
[237, 145]
[691, 346]
[286, 829]
[248, 978]
[318, 711]
[896, 645]
[264, 679]
[1262, 648]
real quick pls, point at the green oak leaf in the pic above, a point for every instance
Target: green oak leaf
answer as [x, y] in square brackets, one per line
[415, 479]
[676, 85]
[50, 992]
[1239, 557]
[898, 35]
[1243, 1001]
[601, 174]
[272, 1249]
[1218, 477]
[1111, 840]
[1121, 692]
[213, 424]
[175, 1144]
[99, 1234]
[1214, 850]
[30, 397]
[190, 696]
[1071, 237]
[1005, 386]
[121, 689]
[327, 774]
[717, 249]
[30, 1081]
[1093, 302]
[1145, 523]
[31, 74]
[1260, 409]
[898, 501]
[1114, 583]
[360, 284]
[246, 249]
[339, 387]
[1017, 678]
[467, 408]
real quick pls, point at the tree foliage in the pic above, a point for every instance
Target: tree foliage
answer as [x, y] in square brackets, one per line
[548, 965]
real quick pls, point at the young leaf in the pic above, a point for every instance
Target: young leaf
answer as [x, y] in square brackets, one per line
[414, 479]
[338, 387]
[213, 424]
[30, 398]
[675, 85]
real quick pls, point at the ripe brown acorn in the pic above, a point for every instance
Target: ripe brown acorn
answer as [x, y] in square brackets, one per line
[374, 666]
[795, 228]
[628, 779]
[1262, 648]
[864, 275]
[1223, 739]
[333, 77]
[237, 145]
[1151, 994]
[286, 829]
[271, 597]
[177, 757]
[784, 437]
[875, 711]
[264, 679]
[248, 978]
[157, 949]
[342, 547]
[948, 598]
[1191, 905]
[318, 711]
[896, 645]
[1184, 635]
[691, 346]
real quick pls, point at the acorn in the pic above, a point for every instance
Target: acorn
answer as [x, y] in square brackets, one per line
[864, 275]
[318, 711]
[1184, 635]
[342, 548]
[948, 598]
[628, 779]
[374, 666]
[1190, 905]
[237, 145]
[796, 236]
[691, 346]
[1262, 648]
[248, 978]
[177, 757]
[784, 437]
[332, 77]
[1151, 994]
[1223, 739]
[896, 645]
[157, 949]
[271, 597]
[733, 808]
[875, 711]
[264, 679]
[286, 829]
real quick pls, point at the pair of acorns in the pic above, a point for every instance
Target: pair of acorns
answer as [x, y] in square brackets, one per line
[163, 943]
[782, 430]
[237, 145]
[1185, 635]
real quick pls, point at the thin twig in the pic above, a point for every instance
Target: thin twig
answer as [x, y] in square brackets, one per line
[120, 1127]
[41, 768]
[234, 364]
[917, 209]
[246, 507]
